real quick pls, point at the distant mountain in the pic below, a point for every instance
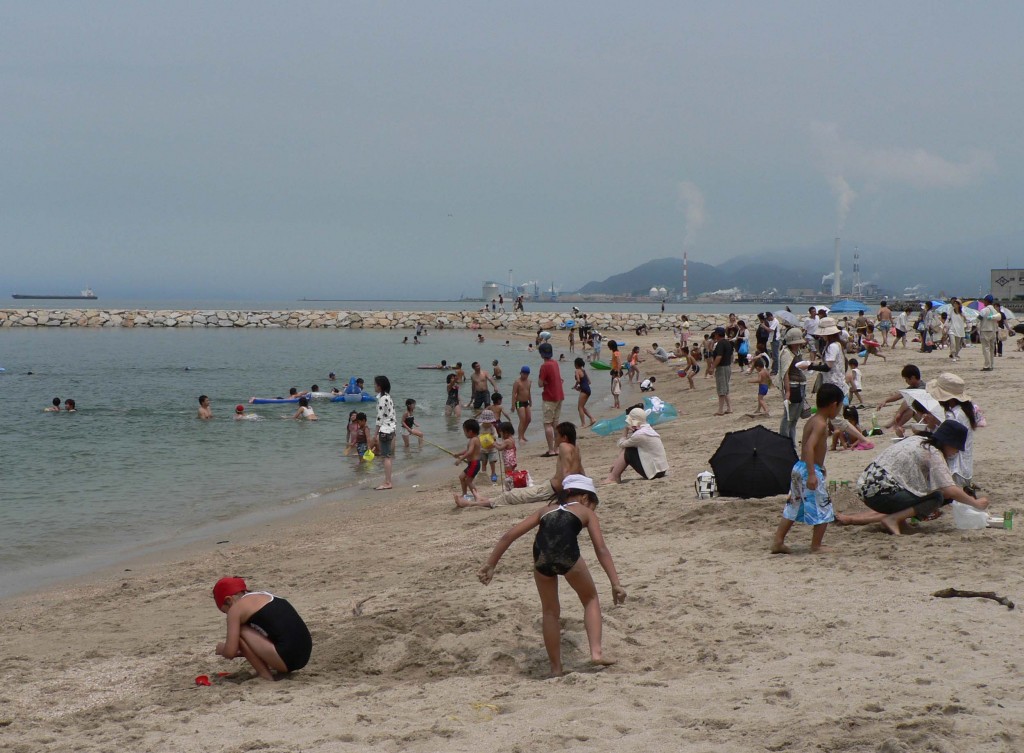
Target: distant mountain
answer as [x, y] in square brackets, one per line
[658, 273]
[954, 269]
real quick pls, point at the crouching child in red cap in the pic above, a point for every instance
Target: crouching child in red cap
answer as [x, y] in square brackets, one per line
[262, 628]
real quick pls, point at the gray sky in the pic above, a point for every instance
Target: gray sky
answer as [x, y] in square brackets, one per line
[334, 149]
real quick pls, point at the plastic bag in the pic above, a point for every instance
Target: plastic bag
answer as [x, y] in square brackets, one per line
[966, 517]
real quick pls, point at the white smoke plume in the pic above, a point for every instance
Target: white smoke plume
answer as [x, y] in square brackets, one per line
[910, 166]
[844, 198]
[692, 201]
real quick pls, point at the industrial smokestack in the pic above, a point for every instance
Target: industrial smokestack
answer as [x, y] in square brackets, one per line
[835, 279]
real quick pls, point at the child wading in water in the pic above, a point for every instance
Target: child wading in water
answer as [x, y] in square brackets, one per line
[556, 552]
[262, 628]
[808, 493]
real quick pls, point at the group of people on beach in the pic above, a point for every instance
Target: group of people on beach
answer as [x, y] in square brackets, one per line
[912, 478]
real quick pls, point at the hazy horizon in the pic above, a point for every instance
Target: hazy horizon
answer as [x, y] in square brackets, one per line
[387, 150]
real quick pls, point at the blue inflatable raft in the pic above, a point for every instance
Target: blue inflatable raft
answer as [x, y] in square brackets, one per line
[658, 412]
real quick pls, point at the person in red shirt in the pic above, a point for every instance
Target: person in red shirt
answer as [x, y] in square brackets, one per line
[552, 394]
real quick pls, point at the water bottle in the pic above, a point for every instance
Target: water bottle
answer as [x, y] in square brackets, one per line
[875, 428]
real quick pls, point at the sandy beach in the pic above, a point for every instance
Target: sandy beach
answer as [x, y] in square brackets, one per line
[720, 645]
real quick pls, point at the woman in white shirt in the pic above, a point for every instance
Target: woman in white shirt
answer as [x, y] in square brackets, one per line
[957, 330]
[642, 450]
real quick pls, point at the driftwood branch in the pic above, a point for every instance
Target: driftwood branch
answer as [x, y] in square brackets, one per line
[952, 593]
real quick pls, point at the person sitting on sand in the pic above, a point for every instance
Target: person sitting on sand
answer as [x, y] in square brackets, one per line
[808, 500]
[912, 479]
[263, 629]
[556, 552]
[659, 352]
[912, 376]
[642, 449]
[568, 463]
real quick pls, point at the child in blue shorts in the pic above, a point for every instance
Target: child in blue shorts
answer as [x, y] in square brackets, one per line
[808, 493]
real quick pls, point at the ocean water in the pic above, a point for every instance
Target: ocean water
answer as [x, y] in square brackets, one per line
[134, 467]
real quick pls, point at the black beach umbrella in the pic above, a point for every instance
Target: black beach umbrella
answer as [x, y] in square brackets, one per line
[1019, 328]
[755, 462]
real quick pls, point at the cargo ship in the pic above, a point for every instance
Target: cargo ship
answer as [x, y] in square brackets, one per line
[87, 295]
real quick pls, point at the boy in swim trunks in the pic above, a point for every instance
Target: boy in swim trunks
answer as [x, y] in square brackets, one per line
[262, 628]
[521, 401]
[471, 457]
[500, 414]
[556, 552]
[762, 380]
[808, 493]
[409, 423]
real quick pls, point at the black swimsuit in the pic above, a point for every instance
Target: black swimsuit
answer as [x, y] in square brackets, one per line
[281, 625]
[556, 550]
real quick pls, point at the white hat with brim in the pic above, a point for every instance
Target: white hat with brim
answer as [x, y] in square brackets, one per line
[947, 386]
[637, 417]
[827, 326]
[580, 483]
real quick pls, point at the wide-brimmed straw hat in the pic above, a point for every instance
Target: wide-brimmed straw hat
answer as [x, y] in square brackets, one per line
[827, 326]
[947, 386]
[794, 336]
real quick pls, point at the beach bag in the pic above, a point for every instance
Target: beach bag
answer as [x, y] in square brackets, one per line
[744, 348]
[705, 485]
[1003, 334]
[518, 479]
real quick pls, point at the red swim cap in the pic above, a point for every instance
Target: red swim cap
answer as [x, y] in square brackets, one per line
[239, 409]
[226, 587]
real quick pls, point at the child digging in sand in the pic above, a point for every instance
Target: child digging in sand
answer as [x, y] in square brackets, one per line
[556, 552]
[808, 493]
[262, 628]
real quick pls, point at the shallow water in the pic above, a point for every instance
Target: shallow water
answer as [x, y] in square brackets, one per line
[134, 465]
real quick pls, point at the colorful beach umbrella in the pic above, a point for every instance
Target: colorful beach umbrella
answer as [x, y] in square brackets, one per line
[976, 305]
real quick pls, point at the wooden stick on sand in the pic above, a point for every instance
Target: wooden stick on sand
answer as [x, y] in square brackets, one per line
[952, 593]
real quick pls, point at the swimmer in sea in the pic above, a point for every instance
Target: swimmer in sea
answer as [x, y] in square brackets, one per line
[205, 413]
[241, 415]
[69, 405]
[262, 628]
[304, 411]
[54, 407]
[556, 552]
